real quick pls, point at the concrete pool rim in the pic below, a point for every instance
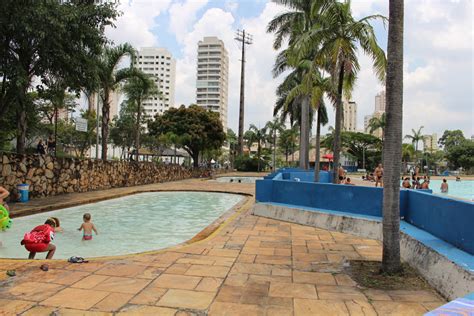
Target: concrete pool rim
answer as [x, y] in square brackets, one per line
[206, 234]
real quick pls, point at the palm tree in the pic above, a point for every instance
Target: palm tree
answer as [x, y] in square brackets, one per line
[338, 35]
[256, 135]
[415, 138]
[408, 152]
[274, 127]
[287, 142]
[322, 120]
[377, 122]
[138, 88]
[392, 149]
[109, 79]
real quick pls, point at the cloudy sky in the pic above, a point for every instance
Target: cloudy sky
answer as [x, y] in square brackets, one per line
[438, 55]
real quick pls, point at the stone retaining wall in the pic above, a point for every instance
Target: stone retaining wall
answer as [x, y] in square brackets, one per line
[48, 176]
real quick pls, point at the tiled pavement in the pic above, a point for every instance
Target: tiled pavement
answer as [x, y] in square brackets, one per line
[250, 266]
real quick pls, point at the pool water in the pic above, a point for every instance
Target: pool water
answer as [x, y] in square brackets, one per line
[238, 179]
[462, 189]
[131, 224]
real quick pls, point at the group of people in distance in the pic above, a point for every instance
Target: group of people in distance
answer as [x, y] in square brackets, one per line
[40, 238]
[341, 173]
[49, 147]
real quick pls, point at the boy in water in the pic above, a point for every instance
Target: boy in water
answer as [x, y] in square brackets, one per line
[444, 186]
[39, 239]
[87, 227]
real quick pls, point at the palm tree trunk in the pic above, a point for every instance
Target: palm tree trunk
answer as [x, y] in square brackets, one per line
[274, 150]
[304, 134]
[393, 140]
[137, 135]
[337, 130]
[258, 156]
[105, 123]
[317, 146]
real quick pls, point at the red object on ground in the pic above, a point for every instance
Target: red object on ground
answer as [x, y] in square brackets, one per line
[328, 156]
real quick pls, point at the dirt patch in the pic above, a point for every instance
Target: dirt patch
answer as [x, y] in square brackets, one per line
[367, 274]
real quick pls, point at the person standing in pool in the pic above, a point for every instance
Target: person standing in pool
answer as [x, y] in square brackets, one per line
[378, 173]
[444, 186]
[87, 227]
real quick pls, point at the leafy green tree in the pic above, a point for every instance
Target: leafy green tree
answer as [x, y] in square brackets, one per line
[376, 123]
[461, 155]
[138, 88]
[392, 149]
[256, 135]
[51, 38]
[200, 129]
[123, 128]
[408, 152]
[231, 139]
[451, 138]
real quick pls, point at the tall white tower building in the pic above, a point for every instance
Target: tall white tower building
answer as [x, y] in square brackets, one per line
[213, 77]
[159, 63]
[380, 102]
[349, 122]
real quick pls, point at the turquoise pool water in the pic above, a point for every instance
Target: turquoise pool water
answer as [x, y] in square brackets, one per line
[462, 189]
[131, 224]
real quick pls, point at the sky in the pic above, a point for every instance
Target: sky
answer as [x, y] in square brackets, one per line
[438, 55]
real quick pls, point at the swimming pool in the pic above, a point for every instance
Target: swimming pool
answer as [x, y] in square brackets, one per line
[238, 179]
[462, 189]
[131, 224]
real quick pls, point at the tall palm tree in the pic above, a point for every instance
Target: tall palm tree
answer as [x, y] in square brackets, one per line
[109, 80]
[338, 35]
[138, 88]
[408, 152]
[392, 148]
[321, 120]
[274, 127]
[259, 136]
[415, 138]
[377, 122]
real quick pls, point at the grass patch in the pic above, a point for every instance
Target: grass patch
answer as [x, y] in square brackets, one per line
[368, 274]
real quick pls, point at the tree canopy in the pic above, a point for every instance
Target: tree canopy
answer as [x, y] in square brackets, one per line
[200, 130]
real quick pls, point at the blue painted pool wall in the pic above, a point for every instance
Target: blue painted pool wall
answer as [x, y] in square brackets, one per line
[448, 219]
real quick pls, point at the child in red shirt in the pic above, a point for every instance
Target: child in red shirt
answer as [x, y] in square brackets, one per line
[39, 239]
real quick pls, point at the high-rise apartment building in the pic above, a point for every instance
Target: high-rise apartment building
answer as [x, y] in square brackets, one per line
[349, 122]
[160, 64]
[213, 77]
[430, 142]
[380, 102]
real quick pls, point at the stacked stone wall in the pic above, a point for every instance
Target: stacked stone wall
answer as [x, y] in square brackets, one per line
[49, 176]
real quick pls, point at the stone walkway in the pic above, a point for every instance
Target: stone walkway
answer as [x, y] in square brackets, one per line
[249, 266]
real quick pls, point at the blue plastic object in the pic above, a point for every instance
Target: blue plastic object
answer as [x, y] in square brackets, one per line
[24, 190]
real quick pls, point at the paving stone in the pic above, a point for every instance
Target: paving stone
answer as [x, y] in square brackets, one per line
[264, 269]
[209, 271]
[235, 309]
[75, 298]
[360, 308]
[122, 285]
[328, 292]
[306, 307]
[224, 253]
[413, 296]
[246, 258]
[147, 310]
[295, 290]
[78, 312]
[377, 295]
[313, 277]
[178, 268]
[34, 291]
[148, 296]
[113, 302]
[90, 281]
[14, 307]
[344, 279]
[186, 299]
[278, 311]
[38, 311]
[399, 308]
[209, 284]
[176, 281]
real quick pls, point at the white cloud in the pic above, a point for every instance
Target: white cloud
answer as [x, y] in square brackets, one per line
[183, 16]
[231, 5]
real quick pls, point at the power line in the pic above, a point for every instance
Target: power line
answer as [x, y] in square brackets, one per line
[245, 39]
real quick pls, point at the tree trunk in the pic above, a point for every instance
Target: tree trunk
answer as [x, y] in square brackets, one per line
[393, 140]
[258, 156]
[21, 130]
[317, 146]
[304, 134]
[105, 123]
[195, 156]
[137, 136]
[337, 130]
[274, 150]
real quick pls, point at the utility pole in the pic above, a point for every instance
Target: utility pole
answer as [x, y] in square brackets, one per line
[245, 38]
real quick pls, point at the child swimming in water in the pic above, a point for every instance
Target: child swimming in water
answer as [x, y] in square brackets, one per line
[87, 227]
